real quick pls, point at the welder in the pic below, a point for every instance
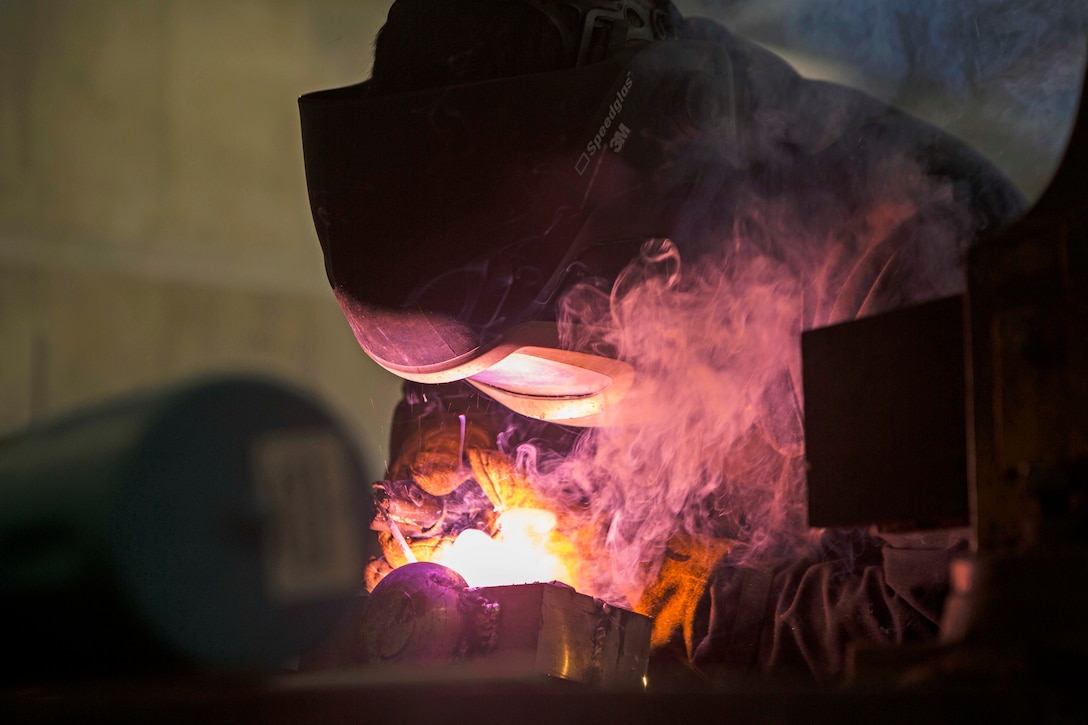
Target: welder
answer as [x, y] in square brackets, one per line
[588, 233]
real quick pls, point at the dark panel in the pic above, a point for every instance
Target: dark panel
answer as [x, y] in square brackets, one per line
[885, 421]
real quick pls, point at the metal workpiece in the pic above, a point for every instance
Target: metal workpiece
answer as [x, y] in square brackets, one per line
[424, 615]
[413, 615]
[556, 631]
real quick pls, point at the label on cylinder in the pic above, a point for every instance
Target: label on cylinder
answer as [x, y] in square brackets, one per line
[310, 546]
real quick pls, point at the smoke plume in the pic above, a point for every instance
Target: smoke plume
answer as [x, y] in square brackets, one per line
[709, 443]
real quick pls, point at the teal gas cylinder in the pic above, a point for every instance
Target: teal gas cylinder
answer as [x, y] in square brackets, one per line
[216, 523]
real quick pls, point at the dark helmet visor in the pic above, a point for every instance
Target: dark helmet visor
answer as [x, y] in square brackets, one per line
[450, 215]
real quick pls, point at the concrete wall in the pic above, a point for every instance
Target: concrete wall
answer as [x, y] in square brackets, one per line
[153, 214]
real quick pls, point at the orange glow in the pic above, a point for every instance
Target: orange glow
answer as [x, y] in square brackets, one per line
[517, 555]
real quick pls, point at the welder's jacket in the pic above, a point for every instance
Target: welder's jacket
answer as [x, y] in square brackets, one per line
[799, 613]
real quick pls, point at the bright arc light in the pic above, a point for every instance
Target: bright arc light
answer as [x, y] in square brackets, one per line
[517, 555]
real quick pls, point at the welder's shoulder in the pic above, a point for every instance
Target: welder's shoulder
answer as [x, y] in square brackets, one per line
[847, 126]
[944, 155]
[874, 130]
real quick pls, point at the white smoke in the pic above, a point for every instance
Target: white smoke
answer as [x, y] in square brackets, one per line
[709, 442]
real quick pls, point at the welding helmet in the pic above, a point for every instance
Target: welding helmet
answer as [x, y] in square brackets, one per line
[452, 218]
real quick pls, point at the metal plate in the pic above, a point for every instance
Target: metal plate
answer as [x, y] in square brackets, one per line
[885, 419]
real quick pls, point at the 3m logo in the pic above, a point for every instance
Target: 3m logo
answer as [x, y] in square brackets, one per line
[618, 138]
